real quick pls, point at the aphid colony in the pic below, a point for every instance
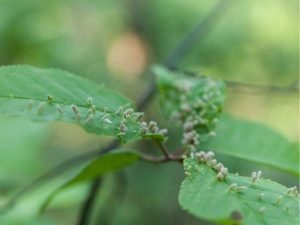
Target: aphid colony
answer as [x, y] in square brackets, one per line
[208, 158]
[199, 107]
[222, 172]
[152, 127]
[126, 114]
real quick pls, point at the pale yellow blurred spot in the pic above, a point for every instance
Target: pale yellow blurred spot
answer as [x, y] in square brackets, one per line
[127, 56]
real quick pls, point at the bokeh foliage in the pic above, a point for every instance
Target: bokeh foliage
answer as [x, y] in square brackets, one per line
[253, 42]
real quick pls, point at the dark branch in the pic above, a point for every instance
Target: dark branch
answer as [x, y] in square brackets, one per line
[163, 149]
[88, 203]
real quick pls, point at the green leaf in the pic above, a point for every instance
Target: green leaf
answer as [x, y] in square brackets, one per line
[107, 163]
[203, 196]
[55, 95]
[255, 142]
[198, 100]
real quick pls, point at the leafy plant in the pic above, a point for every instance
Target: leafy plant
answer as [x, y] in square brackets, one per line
[195, 103]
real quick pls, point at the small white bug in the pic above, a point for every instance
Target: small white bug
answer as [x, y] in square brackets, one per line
[224, 171]
[93, 108]
[213, 163]
[241, 188]
[188, 126]
[219, 166]
[128, 113]
[106, 120]
[152, 124]
[119, 111]
[220, 176]
[139, 116]
[186, 107]
[259, 174]
[210, 155]
[90, 101]
[262, 210]
[144, 124]
[232, 187]
[261, 196]
[254, 177]
[163, 132]
[76, 112]
[123, 127]
[89, 118]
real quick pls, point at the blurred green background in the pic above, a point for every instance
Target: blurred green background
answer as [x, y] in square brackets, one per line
[115, 42]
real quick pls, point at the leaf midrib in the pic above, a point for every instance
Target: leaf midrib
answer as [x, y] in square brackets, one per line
[54, 101]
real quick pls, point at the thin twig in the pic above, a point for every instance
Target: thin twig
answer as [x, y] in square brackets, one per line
[163, 149]
[88, 203]
[161, 159]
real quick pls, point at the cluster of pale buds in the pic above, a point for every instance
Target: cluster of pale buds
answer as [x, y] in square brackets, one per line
[256, 176]
[152, 127]
[208, 158]
[236, 187]
[293, 191]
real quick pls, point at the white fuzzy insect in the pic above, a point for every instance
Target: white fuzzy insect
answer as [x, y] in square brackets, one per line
[261, 196]
[219, 166]
[258, 175]
[213, 163]
[163, 132]
[220, 176]
[224, 171]
[262, 210]
[76, 112]
[210, 155]
[188, 126]
[253, 176]
[89, 118]
[232, 187]
[90, 101]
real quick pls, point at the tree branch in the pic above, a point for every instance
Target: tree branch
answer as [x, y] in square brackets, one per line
[163, 149]
[88, 203]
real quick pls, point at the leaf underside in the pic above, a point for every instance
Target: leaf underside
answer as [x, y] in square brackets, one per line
[203, 196]
[255, 142]
[198, 99]
[56, 95]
